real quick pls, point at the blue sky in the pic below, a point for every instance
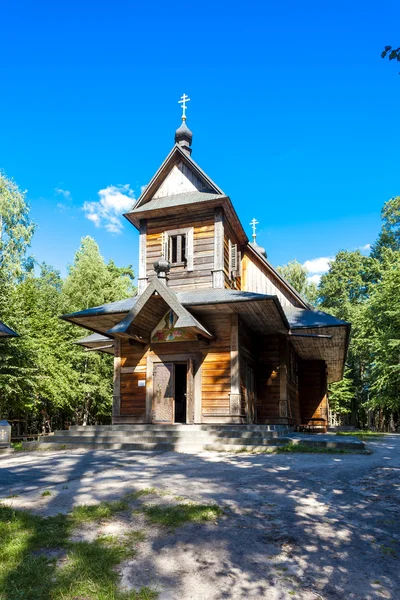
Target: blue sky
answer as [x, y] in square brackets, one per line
[293, 111]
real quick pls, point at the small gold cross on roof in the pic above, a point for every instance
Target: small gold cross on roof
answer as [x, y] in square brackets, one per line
[183, 101]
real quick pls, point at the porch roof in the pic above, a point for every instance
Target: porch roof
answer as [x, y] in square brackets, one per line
[314, 334]
[97, 341]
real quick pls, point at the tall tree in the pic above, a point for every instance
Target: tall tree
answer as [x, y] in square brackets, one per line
[389, 236]
[343, 291]
[297, 276]
[382, 331]
[16, 228]
[92, 282]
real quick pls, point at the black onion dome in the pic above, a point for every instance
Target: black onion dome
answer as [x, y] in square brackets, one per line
[183, 133]
[259, 249]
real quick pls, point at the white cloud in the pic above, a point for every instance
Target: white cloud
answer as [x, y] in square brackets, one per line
[314, 279]
[318, 265]
[65, 193]
[365, 248]
[107, 210]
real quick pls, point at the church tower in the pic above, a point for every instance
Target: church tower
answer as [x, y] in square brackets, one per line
[183, 216]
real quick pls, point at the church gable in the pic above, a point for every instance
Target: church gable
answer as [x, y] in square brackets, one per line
[178, 174]
[181, 179]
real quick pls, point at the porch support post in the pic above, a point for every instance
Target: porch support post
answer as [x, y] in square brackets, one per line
[142, 279]
[283, 388]
[218, 271]
[234, 396]
[116, 407]
[149, 389]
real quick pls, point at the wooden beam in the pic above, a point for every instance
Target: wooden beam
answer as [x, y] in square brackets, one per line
[142, 279]
[283, 378]
[234, 396]
[218, 271]
[116, 407]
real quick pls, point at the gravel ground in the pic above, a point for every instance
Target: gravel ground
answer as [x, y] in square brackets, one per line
[299, 526]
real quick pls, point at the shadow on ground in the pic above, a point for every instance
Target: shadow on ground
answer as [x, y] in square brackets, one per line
[303, 526]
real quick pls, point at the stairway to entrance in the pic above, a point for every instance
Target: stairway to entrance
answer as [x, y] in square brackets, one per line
[163, 438]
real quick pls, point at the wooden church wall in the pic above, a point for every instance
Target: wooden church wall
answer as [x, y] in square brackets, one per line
[133, 370]
[180, 279]
[268, 380]
[257, 278]
[313, 390]
[215, 371]
[216, 368]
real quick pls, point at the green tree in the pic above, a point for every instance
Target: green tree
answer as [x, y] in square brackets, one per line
[382, 330]
[389, 236]
[297, 276]
[92, 282]
[343, 292]
[17, 368]
[16, 229]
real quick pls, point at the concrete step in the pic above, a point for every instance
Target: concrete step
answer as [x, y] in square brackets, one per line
[158, 447]
[149, 441]
[170, 435]
[178, 427]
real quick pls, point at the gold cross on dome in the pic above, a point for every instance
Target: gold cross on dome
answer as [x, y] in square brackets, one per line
[183, 101]
[253, 224]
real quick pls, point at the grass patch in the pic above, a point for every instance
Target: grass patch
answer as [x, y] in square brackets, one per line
[362, 435]
[97, 512]
[17, 446]
[29, 570]
[175, 516]
[46, 493]
[298, 448]
[30, 546]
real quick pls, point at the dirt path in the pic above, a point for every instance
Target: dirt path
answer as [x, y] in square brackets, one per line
[301, 526]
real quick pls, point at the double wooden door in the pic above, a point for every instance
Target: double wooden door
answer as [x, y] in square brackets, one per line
[169, 389]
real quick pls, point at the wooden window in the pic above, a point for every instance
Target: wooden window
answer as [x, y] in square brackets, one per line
[178, 247]
[234, 260]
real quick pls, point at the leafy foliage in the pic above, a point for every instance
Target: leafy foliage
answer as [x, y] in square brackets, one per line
[391, 53]
[44, 376]
[297, 276]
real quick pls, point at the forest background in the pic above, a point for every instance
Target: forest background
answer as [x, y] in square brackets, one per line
[45, 377]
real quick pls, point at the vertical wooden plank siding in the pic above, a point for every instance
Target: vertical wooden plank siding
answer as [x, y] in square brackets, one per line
[257, 278]
[216, 368]
[212, 384]
[197, 274]
[268, 380]
[313, 390]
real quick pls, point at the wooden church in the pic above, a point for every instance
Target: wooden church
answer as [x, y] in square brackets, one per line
[215, 334]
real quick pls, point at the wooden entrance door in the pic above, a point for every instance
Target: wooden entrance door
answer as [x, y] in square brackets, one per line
[163, 393]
